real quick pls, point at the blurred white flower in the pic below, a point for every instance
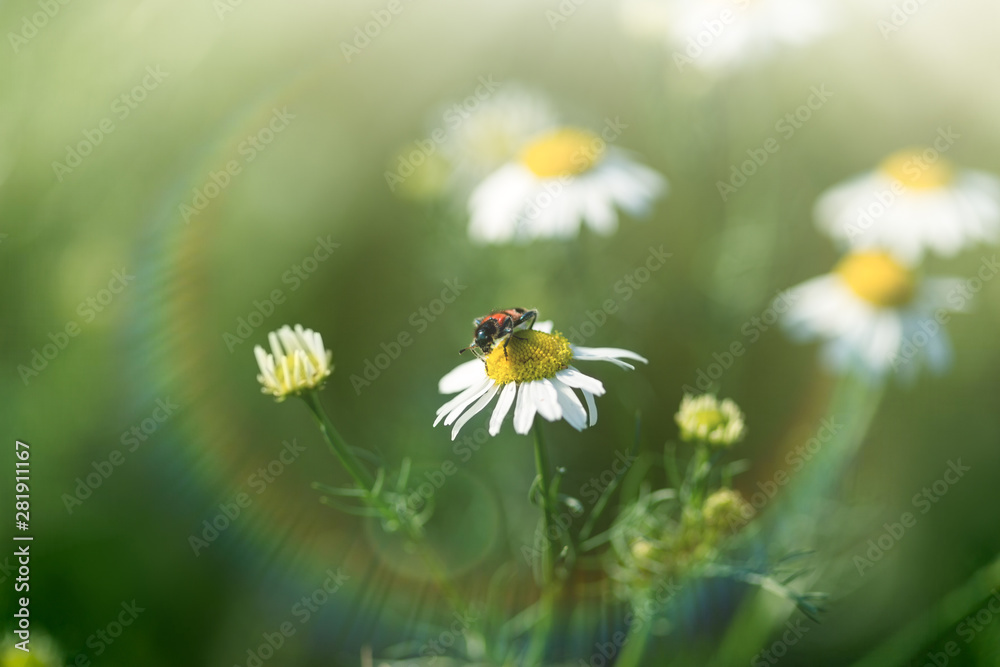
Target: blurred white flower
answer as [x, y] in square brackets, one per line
[873, 315]
[710, 420]
[914, 202]
[720, 34]
[297, 362]
[478, 141]
[534, 372]
[560, 179]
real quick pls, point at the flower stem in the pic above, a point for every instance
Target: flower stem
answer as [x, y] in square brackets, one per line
[338, 445]
[541, 464]
[364, 481]
[551, 587]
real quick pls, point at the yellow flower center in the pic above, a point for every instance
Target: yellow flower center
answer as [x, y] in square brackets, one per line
[708, 419]
[877, 278]
[563, 152]
[916, 172]
[530, 355]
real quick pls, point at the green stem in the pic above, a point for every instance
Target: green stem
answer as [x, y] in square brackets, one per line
[338, 445]
[699, 475]
[364, 481]
[541, 465]
[550, 585]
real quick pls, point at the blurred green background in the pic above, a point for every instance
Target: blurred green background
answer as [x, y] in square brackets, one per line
[222, 76]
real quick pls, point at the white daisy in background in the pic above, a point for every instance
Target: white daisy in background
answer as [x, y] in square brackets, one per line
[560, 179]
[479, 141]
[874, 315]
[721, 34]
[912, 204]
[297, 362]
[534, 376]
[707, 419]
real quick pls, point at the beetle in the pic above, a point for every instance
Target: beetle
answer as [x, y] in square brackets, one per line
[500, 324]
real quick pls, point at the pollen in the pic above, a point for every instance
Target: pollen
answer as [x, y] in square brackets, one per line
[530, 355]
[915, 171]
[563, 152]
[877, 278]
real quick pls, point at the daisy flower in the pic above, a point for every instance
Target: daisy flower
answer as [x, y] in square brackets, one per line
[723, 34]
[535, 376]
[707, 419]
[912, 204]
[873, 315]
[478, 141]
[560, 179]
[297, 362]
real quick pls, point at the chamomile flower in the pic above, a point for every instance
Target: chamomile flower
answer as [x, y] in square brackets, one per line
[297, 362]
[478, 140]
[914, 202]
[874, 315]
[709, 420]
[724, 34]
[534, 376]
[560, 179]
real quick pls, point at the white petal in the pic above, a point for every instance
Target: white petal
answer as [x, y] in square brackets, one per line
[474, 410]
[465, 398]
[606, 354]
[462, 377]
[544, 327]
[572, 408]
[546, 400]
[578, 380]
[524, 410]
[506, 400]
[591, 406]
[272, 339]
